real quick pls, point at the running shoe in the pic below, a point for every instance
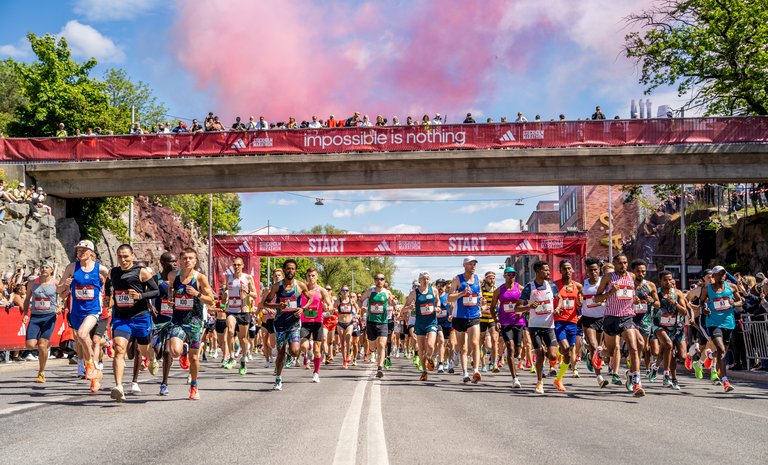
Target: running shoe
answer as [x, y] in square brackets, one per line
[224, 363]
[628, 382]
[184, 362]
[698, 369]
[559, 385]
[440, 368]
[484, 369]
[708, 359]
[135, 388]
[552, 370]
[194, 394]
[110, 351]
[315, 377]
[675, 385]
[667, 382]
[477, 377]
[727, 386]
[354, 362]
[288, 361]
[89, 369]
[602, 382]
[638, 390]
[423, 376]
[528, 364]
[496, 369]
[654, 373]
[379, 373]
[278, 386]
[306, 363]
[387, 363]
[40, 378]
[96, 380]
[466, 378]
[616, 380]
[344, 365]
[118, 394]
[451, 370]
[430, 364]
[164, 390]
[688, 362]
[714, 378]
[539, 388]
[144, 363]
[267, 364]
[576, 373]
[533, 369]
[243, 369]
[590, 367]
[520, 365]
[328, 359]
[100, 366]
[153, 366]
[416, 360]
[516, 383]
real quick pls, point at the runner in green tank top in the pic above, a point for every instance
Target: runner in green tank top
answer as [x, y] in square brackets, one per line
[377, 328]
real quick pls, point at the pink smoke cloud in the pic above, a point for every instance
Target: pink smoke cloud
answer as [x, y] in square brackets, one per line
[303, 57]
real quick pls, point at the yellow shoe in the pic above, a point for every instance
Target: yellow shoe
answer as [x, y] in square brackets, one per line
[40, 378]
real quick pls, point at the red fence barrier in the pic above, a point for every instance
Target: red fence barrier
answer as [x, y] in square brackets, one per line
[392, 139]
[13, 332]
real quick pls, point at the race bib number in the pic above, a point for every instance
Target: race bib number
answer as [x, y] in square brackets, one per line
[721, 304]
[427, 309]
[289, 303]
[442, 313]
[42, 303]
[625, 292]
[84, 293]
[377, 308]
[641, 307]
[509, 307]
[183, 303]
[345, 309]
[469, 300]
[589, 300]
[667, 320]
[123, 299]
[235, 303]
[569, 304]
[165, 308]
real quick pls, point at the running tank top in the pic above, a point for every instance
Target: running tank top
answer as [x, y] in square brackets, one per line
[86, 289]
[185, 306]
[569, 300]
[543, 315]
[44, 298]
[377, 307]
[721, 311]
[507, 300]
[666, 316]
[122, 282]
[345, 308]
[619, 303]
[467, 306]
[442, 311]
[486, 316]
[284, 317]
[644, 294]
[314, 314]
[425, 306]
[589, 307]
[162, 303]
[236, 287]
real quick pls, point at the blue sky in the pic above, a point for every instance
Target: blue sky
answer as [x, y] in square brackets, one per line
[306, 57]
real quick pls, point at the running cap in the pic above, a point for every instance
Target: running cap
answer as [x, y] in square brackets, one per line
[718, 269]
[21, 184]
[47, 263]
[490, 272]
[510, 269]
[86, 244]
[469, 259]
[424, 274]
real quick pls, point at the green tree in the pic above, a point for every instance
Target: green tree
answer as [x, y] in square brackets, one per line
[123, 94]
[56, 89]
[717, 50]
[94, 215]
[193, 208]
[10, 94]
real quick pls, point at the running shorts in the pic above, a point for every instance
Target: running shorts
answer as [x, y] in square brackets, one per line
[41, 326]
[314, 329]
[422, 330]
[242, 319]
[616, 325]
[566, 330]
[376, 330]
[513, 333]
[139, 327]
[588, 322]
[543, 337]
[463, 324]
[485, 326]
[643, 323]
[446, 331]
[723, 333]
[220, 326]
[291, 335]
[269, 325]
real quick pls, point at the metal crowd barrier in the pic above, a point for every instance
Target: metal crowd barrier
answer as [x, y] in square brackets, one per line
[756, 338]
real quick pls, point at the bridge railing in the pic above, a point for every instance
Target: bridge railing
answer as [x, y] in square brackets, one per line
[605, 133]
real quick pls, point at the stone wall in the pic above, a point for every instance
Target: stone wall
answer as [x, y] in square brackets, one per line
[27, 239]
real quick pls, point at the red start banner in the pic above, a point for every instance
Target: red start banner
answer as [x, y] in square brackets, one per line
[13, 331]
[391, 139]
[400, 245]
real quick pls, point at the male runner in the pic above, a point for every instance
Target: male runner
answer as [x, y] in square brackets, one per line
[646, 300]
[133, 286]
[444, 341]
[240, 291]
[312, 321]
[425, 300]
[570, 297]
[489, 335]
[268, 321]
[720, 300]
[330, 323]
[668, 327]
[190, 291]
[465, 291]
[377, 325]
[84, 281]
[512, 324]
[592, 314]
[41, 308]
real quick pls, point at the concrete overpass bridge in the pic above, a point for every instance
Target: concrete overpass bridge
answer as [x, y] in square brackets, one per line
[530, 154]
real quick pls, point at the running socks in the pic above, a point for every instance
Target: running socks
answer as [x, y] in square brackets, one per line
[316, 363]
[563, 368]
[193, 383]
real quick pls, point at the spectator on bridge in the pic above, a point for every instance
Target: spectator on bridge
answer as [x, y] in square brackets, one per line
[366, 122]
[136, 129]
[409, 121]
[314, 124]
[425, 121]
[238, 125]
[89, 132]
[380, 121]
[331, 122]
[208, 121]
[537, 119]
[196, 127]
[395, 121]
[262, 125]
[469, 119]
[562, 117]
[180, 128]
[3, 293]
[437, 120]
[292, 124]
[503, 119]
[598, 114]
[216, 125]
[488, 120]
[521, 118]
[353, 120]
[61, 132]
[78, 133]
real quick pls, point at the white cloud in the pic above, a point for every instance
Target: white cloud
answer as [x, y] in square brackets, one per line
[87, 42]
[272, 231]
[401, 228]
[341, 213]
[508, 225]
[22, 49]
[112, 10]
[476, 207]
[369, 207]
[283, 202]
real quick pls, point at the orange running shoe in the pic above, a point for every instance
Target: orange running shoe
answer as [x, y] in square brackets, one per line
[89, 369]
[423, 376]
[559, 385]
[727, 386]
[184, 362]
[193, 393]
[430, 365]
[708, 359]
[96, 378]
[597, 360]
[477, 377]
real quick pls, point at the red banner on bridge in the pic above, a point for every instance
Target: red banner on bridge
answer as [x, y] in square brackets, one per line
[13, 332]
[391, 139]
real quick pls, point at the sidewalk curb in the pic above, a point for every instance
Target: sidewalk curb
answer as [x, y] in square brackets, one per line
[754, 376]
[32, 365]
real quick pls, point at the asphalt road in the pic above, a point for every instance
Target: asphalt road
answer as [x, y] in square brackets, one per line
[351, 418]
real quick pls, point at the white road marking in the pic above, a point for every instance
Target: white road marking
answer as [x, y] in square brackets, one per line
[346, 446]
[22, 407]
[739, 411]
[377, 443]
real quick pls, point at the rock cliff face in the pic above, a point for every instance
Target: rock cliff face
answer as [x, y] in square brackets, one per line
[745, 243]
[26, 239]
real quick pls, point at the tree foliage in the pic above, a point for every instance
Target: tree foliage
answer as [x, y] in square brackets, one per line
[193, 208]
[10, 94]
[123, 94]
[716, 50]
[94, 215]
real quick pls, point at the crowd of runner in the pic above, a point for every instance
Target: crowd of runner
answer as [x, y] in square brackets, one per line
[466, 325]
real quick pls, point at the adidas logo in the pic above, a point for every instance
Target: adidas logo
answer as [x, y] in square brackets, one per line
[383, 247]
[239, 144]
[525, 245]
[508, 137]
[22, 330]
[244, 248]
